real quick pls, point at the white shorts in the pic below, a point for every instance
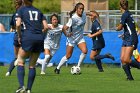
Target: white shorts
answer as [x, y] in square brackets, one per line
[73, 44]
[52, 51]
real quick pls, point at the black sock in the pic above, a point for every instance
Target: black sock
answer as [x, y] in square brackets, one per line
[31, 77]
[12, 66]
[99, 64]
[135, 64]
[127, 71]
[100, 57]
[20, 75]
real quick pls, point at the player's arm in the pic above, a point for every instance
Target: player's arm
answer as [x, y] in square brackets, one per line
[119, 27]
[45, 26]
[95, 34]
[18, 26]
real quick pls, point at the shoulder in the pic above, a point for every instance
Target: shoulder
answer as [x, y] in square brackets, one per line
[125, 14]
[60, 26]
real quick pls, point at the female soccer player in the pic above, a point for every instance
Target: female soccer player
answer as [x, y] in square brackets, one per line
[18, 4]
[31, 40]
[76, 24]
[52, 40]
[98, 41]
[130, 39]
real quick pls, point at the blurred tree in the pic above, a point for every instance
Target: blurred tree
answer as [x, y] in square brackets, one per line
[114, 4]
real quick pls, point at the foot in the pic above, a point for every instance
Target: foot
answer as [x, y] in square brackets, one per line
[21, 90]
[28, 91]
[42, 73]
[110, 56]
[101, 70]
[7, 74]
[57, 71]
[130, 78]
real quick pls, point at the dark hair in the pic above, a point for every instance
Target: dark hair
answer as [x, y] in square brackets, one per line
[124, 4]
[53, 16]
[74, 10]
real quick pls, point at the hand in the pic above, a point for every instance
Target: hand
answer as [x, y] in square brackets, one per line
[69, 34]
[121, 36]
[90, 35]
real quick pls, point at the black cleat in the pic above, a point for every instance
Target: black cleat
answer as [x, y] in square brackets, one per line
[57, 71]
[28, 91]
[110, 56]
[130, 78]
[21, 90]
[101, 70]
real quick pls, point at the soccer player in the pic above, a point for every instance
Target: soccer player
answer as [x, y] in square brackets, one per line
[76, 25]
[130, 39]
[52, 41]
[98, 41]
[18, 4]
[31, 40]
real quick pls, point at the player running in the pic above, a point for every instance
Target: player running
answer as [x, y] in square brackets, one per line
[98, 41]
[130, 39]
[76, 25]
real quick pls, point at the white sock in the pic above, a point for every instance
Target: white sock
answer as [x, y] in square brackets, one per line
[46, 59]
[63, 60]
[82, 57]
[40, 61]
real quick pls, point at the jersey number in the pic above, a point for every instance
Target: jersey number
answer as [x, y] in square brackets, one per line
[33, 15]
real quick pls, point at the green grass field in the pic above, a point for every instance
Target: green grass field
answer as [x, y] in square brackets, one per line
[90, 81]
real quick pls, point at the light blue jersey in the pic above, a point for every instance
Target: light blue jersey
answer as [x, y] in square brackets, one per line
[76, 25]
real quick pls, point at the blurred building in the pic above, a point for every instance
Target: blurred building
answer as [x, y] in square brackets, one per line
[68, 5]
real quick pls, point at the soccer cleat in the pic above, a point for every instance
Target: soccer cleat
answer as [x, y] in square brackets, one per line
[42, 73]
[57, 71]
[7, 74]
[130, 78]
[21, 90]
[28, 91]
[101, 70]
[110, 56]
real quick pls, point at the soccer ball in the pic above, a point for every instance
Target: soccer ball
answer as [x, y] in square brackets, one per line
[75, 70]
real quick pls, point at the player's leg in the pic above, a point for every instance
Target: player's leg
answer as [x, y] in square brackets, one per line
[32, 71]
[69, 51]
[126, 54]
[12, 64]
[83, 48]
[22, 55]
[46, 60]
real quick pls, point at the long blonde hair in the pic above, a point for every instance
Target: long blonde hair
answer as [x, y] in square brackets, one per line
[97, 15]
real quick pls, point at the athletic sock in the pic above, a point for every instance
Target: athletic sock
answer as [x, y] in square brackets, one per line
[82, 57]
[31, 78]
[46, 59]
[12, 66]
[20, 75]
[127, 71]
[63, 60]
[135, 64]
[99, 64]
[101, 56]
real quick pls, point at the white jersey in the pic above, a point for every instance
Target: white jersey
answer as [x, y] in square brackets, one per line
[53, 37]
[76, 25]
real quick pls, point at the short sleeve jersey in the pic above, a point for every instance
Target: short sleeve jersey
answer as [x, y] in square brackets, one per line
[53, 36]
[129, 26]
[32, 22]
[95, 28]
[76, 25]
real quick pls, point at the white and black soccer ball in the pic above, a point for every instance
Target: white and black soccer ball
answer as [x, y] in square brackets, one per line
[75, 70]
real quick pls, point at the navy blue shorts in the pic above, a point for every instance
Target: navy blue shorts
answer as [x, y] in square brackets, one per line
[130, 44]
[98, 45]
[16, 43]
[33, 45]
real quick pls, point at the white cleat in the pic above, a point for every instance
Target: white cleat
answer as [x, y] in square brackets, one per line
[7, 74]
[42, 73]
[28, 91]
